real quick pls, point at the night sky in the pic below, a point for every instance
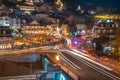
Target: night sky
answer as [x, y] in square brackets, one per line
[85, 3]
[94, 3]
[105, 3]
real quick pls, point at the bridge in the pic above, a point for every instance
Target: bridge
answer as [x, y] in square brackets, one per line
[49, 52]
[40, 50]
[75, 63]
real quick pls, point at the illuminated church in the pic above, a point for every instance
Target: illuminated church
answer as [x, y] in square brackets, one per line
[29, 5]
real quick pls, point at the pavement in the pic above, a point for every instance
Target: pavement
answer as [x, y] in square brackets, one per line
[114, 64]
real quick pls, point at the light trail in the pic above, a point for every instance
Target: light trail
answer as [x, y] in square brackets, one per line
[97, 68]
[89, 59]
[68, 62]
[63, 57]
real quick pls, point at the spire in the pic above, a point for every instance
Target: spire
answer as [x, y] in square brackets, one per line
[79, 7]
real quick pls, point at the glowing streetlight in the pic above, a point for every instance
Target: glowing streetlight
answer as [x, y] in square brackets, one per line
[57, 58]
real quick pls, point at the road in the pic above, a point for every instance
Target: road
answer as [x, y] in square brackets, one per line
[88, 69]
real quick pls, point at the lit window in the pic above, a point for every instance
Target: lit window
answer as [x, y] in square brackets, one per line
[104, 31]
[98, 31]
[111, 31]
[108, 31]
[117, 25]
[113, 25]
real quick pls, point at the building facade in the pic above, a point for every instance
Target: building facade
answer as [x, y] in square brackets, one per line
[105, 28]
[35, 33]
[7, 33]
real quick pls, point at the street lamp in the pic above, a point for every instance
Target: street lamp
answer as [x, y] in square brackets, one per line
[57, 58]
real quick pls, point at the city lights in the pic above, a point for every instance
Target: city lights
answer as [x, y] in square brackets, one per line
[60, 39]
[57, 58]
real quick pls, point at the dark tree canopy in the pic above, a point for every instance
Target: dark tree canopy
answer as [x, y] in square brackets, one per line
[8, 3]
[72, 26]
[100, 41]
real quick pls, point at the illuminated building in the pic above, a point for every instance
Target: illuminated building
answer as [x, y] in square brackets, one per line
[58, 2]
[65, 31]
[105, 28]
[37, 32]
[5, 33]
[116, 50]
[27, 8]
[31, 1]
[5, 26]
[34, 29]
[29, 5]
[107, 16]
[106, 25]
[15, 23]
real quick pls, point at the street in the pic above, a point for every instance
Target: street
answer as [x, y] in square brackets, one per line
[88, 69]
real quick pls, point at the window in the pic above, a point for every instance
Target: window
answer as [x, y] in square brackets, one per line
[6, 22]
[98, 31]
[111, 30]
[104, 31]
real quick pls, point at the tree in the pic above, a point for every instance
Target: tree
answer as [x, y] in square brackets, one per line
[62, 21]
[99, 46]
[72, 26]
[100, 42]
[8, 3]
[104, 39]
[89, 22]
